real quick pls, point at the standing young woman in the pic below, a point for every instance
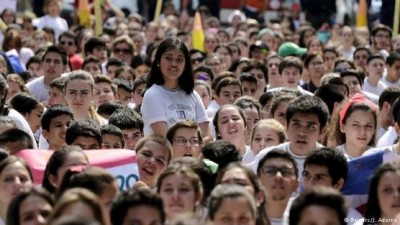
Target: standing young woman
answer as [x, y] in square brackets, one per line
[15, 176]
[78, 92]
[170, 96]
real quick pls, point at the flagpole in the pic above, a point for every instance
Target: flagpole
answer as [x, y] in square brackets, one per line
[158, 10]
[396, 18]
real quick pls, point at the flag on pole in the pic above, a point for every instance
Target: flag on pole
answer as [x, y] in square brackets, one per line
[157, 13]
[396, 18]
[84, 13]
[362, 14]
[99, 21]
[198, 33]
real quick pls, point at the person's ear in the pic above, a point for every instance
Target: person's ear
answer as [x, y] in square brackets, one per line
[53, 180]
[339, 184]
[260, 197]
[386, 106]
[45, 134]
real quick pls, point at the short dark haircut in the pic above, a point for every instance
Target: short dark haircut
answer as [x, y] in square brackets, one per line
[110, 129]
[123, 84]
[331, 93]
[254, 64]
[205, 69]
[108, 108]
[126, 119]
[228, 81]
[69, 34]
[138, 81]
[323, 197]
[58, 83]
[91, 59]
[267, 97]
[308, 105]
[381, 27]
[139, 60]
[93, 43]
[15, 135]
[82, 128]
[361, 48]
[217, 79]
[277, 100]
[388, 95]
[290, 61]
[392, 58]
[247, 77]
[53, 112]
[114, 62]
[355, 73]
[33, 59]
[375, 56]
[248, 102]
[277, 153]
[135, 198]
[24, 103]
[333, 50]
[396, 110]
[221, 152]
[331, 159]
[56, 49]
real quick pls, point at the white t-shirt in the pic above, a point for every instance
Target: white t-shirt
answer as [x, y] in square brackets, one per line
[388, 138]
[162, 105]
[58, 24]
[212, 109]
[285, 146]
[390, 84]
[248, 156]
[343, 151]
[38, 89]
[353, 216]
[22, 124]
[299, 88]
[377, 90]
[284, 220]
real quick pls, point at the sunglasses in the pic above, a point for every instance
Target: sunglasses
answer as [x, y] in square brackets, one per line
[70, 43]
[200, 59]
[123, 50]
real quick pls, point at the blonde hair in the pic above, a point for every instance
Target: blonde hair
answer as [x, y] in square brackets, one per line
[272, 124]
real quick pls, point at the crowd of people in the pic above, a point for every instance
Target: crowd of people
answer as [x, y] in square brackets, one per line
[257, 127]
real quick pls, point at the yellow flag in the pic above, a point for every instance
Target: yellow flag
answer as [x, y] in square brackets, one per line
[99, 21]
[197, 33]
[84, 13]
[362, 14]
[157, 13]
[396, 19]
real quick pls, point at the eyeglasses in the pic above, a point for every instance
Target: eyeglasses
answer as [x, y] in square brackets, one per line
[70, 43]
[200, 59]
[271, 171]
[183, 141]
[123, 50]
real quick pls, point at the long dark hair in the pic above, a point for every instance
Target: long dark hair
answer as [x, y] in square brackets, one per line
[373, 212]
[186, 80]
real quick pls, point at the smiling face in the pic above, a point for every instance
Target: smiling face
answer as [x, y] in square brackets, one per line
[178, 195]
[13, 179]
[152, 160]
[57, 130]
[231, 124]
[172, 64]
[388, 194]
